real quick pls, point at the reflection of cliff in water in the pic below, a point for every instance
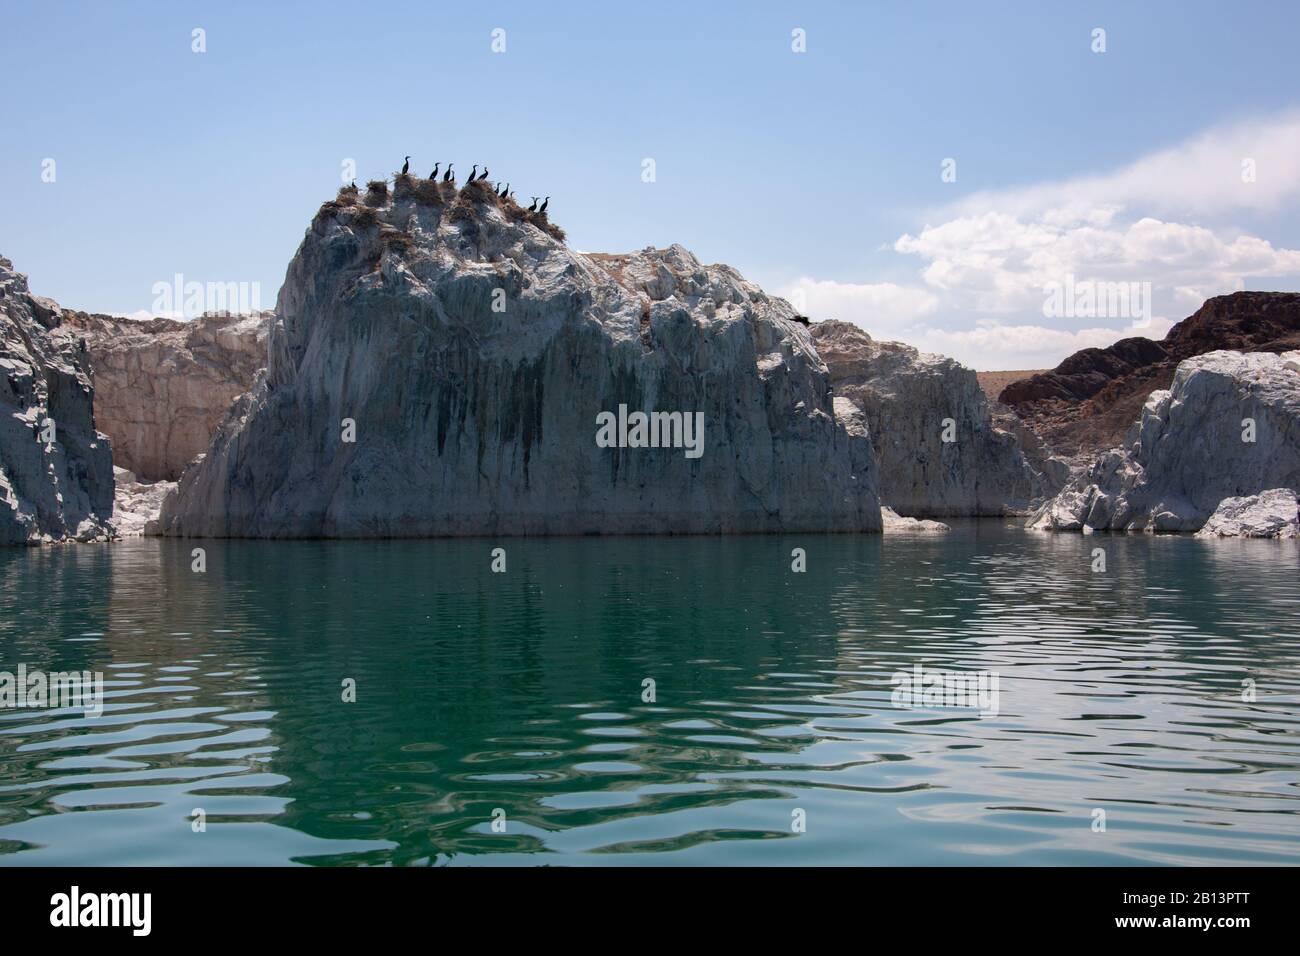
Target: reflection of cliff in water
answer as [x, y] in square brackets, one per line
[523, 691]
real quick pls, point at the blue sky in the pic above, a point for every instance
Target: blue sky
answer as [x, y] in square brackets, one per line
[817, 174]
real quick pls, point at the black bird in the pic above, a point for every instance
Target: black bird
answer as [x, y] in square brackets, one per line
[473, 174]
[449, 176]
[406, 165]
[545, 204]
[483, 175]
[434, 175]
[533, 207]
[504, 191]
[354, 184]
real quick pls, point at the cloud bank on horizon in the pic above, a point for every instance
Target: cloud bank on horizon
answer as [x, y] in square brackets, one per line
[994, 265]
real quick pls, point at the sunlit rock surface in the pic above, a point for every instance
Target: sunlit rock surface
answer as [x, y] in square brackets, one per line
[896, 524]
[50, 490]
[1271, 514]
[1229, 427]
[136, 503]
[163, 386]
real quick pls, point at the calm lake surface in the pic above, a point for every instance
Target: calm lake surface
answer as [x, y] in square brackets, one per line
[522, 692]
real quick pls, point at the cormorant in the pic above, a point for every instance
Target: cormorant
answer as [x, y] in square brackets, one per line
[449, 176]
[545, 204]
[406, 165]
[533, 207]
[434, 175]
[473, 174]
[483, 175]
[504, 191]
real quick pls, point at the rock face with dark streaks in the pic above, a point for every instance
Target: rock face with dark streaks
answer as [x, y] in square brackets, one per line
[56, 470]
[442, 364]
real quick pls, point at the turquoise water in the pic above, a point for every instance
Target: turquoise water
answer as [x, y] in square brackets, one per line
[523, 692]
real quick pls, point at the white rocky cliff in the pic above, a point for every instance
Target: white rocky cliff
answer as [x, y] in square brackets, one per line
[163, 386]
[56, 470]
[910, 399]
[438, 364]
[1228, 428]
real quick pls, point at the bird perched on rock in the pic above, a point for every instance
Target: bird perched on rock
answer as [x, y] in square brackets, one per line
[473, 174]
[483, 175]
[406, 165]
[504, 191]
[545, 204]
[433, 176]
[533, 207]
[449, 176]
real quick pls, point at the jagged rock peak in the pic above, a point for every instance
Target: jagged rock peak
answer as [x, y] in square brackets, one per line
[56, 471]
[472, 351]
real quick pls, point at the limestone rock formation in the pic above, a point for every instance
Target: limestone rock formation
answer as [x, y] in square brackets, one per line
[1229, 427]
[163, 386]
[56, 471]
[438, 363]
[905, 396]
[1272, 514]
[1086, 404]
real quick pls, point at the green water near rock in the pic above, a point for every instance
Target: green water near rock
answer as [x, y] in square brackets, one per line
[771, 738]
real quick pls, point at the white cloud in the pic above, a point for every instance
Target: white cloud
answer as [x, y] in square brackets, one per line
[991, 257]
[1200, 176]
[995, 262]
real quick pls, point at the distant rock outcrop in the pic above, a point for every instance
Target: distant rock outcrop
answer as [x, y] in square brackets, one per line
[438, 363]
[1086, 404]
[56, 470]
[162, 386]
[908, 398]
[1229, 427]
